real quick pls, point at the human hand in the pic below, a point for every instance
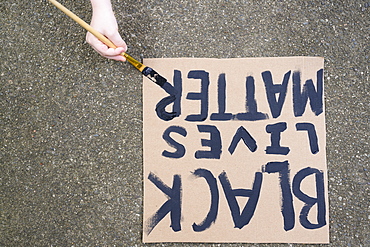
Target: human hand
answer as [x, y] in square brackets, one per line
[104, 21]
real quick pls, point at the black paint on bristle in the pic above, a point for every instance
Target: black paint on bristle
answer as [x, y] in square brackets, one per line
[159, 80]
[154, 76]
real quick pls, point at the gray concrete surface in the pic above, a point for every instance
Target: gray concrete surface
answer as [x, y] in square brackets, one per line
[71, 121]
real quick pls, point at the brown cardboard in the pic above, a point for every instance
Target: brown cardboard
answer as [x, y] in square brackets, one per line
[267, 223]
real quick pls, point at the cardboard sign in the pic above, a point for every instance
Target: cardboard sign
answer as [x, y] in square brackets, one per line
[238, 153]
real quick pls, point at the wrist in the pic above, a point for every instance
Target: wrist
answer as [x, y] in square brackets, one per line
[101, 6]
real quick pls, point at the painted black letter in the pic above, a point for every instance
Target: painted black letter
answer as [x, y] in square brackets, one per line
[214, 143]
[242, 133]
[202, 96]
[273, 89]
[221, 115]
[180, 149]
[213, 210]
[287, 208]
[312, 137]
[240, 220]
[177, 82]
[172, 205]
[175, 97]
[275, 130]
[251, 105]
[310, 201]
[300, 98]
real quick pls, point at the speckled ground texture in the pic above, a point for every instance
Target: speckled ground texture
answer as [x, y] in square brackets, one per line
[71, 121]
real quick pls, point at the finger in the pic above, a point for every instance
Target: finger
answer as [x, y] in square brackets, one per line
[104, 50]
[113, 52]
[110, 52]
[118, 41]
[118, 58]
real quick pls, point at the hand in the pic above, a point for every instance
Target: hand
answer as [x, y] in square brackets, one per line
[104, 21]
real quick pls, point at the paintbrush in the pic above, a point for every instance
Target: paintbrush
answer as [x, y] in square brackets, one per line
[145, 70]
